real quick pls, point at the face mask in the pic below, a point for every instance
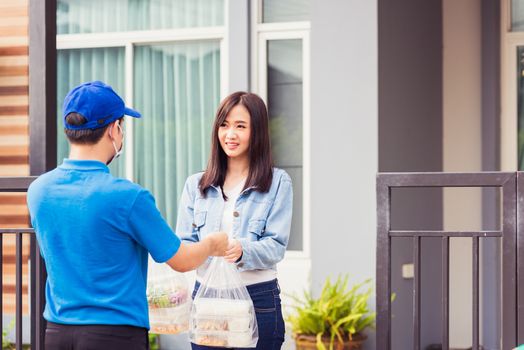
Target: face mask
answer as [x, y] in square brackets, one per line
[118, 152]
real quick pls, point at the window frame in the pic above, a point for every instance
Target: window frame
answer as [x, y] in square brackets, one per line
[260, 35]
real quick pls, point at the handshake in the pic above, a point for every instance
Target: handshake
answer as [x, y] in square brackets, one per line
[220, 245]
[190, 256]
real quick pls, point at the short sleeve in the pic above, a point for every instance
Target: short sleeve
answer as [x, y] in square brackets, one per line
[150, 230]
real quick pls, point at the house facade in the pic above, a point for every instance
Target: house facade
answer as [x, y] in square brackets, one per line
[353, 88]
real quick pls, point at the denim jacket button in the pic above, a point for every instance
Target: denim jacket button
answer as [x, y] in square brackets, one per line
[236, 214]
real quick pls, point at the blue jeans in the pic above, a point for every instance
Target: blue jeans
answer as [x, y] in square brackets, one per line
[268, 310]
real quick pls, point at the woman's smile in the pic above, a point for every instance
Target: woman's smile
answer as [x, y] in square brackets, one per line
[232, 145]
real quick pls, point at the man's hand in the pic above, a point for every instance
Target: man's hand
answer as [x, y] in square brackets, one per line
[217, 242]
[234, 251]
[191, 256]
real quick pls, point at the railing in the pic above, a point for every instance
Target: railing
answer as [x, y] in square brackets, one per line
[508, 233]
[37, 273]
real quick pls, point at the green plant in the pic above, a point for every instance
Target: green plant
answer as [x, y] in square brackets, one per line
[6, 344]
[337, 313]
[153, 342]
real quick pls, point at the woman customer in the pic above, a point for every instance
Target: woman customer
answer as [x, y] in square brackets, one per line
[241, 193]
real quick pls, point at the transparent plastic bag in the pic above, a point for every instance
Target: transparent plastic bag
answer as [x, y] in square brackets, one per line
[222, 313]
[169, 300]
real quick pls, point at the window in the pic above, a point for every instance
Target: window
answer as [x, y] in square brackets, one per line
[520, 108]
[285, 10]
[177, 89]
[102, 16]
[517, 50]
[282, 79]
[164, 57]
[517, 15]
[512, 86]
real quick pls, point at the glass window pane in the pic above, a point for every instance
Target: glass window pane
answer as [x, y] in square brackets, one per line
[177, 89]
[95, 16]
[517, 15]
[285, 96]
[285, 10]
[81, 65]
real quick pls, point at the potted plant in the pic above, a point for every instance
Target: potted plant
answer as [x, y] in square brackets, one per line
[335, 320]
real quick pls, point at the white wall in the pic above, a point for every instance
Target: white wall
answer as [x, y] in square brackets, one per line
[237, 42]
[462, 150]
[344, 139]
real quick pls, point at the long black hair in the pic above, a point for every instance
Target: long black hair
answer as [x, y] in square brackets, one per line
[260, 160]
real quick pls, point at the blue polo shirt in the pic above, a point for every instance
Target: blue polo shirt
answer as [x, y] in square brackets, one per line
[95, 232]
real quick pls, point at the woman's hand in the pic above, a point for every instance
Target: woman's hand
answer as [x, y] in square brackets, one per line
[233, 251]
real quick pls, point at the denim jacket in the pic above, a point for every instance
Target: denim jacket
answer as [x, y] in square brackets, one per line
[261, 221]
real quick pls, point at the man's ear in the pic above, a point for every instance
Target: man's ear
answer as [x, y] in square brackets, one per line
[110, 130]
[113, 126]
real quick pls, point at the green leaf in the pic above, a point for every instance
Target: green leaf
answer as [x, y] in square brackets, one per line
[320, 345]
[339, 311]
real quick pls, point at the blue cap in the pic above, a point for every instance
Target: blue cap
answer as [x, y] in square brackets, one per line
[98, 103]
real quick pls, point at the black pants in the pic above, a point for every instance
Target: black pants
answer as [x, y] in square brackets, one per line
[95, 337]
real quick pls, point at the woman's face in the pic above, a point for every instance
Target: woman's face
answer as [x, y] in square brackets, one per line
[235, 131]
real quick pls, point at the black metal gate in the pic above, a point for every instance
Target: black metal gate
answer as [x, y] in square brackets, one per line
[37, 275]
[511, 234]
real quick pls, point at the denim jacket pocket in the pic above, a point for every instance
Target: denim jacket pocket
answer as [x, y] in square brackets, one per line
[257, 227]
[199, 219]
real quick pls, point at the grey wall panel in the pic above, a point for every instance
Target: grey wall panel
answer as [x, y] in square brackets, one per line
[238, 45]
[410, 139]
[343, 140]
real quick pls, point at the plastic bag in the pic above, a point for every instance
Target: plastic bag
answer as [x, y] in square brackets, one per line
[169, 301]
[222, 313]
